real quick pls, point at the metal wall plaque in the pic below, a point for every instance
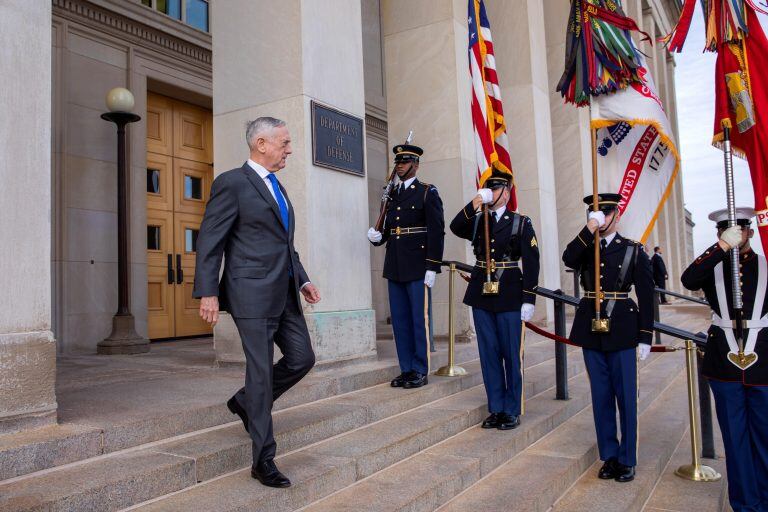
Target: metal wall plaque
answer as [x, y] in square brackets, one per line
[337, 140]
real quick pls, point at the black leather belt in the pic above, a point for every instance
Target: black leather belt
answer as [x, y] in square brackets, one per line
[608, 295]
[407, 231]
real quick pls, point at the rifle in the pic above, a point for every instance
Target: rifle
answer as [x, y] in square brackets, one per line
[386, 198]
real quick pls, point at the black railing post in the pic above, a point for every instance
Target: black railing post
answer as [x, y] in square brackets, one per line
[657, 314]
[705, 412]
[561, 355]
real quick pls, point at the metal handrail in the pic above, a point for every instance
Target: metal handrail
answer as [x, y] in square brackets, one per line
[681, 296]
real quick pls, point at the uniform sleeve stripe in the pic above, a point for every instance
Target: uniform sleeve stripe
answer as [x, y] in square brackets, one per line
[582, 241]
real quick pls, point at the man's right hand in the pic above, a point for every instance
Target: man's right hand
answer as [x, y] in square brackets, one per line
[731, 238]
[374, 236]
[484, 196]
[209, 309]
[596, 220]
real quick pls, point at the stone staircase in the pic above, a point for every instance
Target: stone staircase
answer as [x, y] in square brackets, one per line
[350, 442]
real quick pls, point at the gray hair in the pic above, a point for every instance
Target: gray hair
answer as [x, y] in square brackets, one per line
[260, 126]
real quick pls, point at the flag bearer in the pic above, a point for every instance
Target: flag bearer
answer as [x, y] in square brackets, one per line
[737, 369]
[610, 357]
[498, 318]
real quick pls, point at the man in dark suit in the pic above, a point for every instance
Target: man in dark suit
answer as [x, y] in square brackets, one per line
[499, 318]
[414, 234]
[250, 220]
[659, 272]
[611, 357]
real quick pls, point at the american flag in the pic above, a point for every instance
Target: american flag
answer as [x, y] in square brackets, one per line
[491, 142]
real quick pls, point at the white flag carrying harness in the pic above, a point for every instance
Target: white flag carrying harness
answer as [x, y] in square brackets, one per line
[755, 324]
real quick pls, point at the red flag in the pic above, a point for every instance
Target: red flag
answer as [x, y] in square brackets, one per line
[740, 79]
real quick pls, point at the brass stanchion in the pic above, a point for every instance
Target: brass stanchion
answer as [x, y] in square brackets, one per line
[694, 471]
[451, 370]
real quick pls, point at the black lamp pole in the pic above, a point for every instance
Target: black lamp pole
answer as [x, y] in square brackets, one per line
[124, 339]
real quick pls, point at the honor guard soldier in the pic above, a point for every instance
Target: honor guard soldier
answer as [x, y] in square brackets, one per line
[414, 233]
[498, 317]
[737, 369]
[610, 357]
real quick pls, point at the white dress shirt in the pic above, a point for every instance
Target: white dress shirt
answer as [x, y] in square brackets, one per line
[498, 212]
[608, 239]
[264, 174]
[407, 183]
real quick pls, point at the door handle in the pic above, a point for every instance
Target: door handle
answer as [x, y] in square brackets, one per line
[171, 277]
[179, 271]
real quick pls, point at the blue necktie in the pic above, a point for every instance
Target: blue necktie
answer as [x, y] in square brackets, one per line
[280, 199]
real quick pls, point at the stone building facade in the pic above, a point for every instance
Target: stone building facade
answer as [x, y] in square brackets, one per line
[199, 70]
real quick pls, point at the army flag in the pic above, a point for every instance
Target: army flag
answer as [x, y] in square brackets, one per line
[490, 128]
[635, 150]
[741, 86]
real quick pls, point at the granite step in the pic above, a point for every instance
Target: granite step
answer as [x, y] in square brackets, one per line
[675, 494]
[335, 463]
[225, 448]
[100, 426]
[534, 479]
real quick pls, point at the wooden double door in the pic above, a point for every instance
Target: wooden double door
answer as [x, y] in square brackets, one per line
[179, 176]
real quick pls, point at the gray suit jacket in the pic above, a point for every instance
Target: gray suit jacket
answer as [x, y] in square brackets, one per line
[242, 222]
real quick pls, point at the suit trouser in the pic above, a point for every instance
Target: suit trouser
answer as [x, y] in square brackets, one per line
[406, 304]
[613, 380]
[498, 340]
[265, 382]
[742, 412]
[663, 285]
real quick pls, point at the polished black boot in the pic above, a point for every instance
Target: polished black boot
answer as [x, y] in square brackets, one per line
[235, 408]
[508, 422]
[415, 380]
[398, 381]
[624, 473]
[608, 471]
[491, 421]
[267, 473]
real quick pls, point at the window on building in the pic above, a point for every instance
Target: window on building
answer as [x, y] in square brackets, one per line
[192, 12]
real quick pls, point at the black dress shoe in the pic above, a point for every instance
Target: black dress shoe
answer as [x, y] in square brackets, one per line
[398, 381]
[415, 380]
[608, 471]
[624, 473]
[508, 422]
[235, 408]
[267, 473]
[491, 421]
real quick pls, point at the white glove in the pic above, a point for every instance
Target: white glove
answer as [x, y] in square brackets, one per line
[599, 217]
[374, 236]
[486, 195]
[429, 278]
[643, 349]
[526, 312]
[732, 236]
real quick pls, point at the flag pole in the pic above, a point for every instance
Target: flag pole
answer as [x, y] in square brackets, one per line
[738, 305]
[598, 324]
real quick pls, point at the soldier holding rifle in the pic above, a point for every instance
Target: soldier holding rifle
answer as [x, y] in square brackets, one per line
[412, 226]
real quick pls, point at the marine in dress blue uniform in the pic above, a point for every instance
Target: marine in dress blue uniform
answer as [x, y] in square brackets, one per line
[610, 357]
[741, 394]
[414, 233]
[498, 318]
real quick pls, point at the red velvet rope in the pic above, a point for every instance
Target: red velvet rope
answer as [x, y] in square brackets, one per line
[554, 337]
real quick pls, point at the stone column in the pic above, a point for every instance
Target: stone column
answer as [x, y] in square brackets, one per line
[572, 148]
[27, 347]
[272, 61]
[428, 91]
[520, 46]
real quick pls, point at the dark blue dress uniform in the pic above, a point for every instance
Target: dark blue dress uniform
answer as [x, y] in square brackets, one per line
[414, 233]
[515, 252]
[610, 358]
[741, 395]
